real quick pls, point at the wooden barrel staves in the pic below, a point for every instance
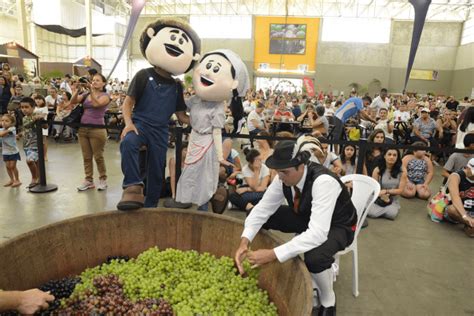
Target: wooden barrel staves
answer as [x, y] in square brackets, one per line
[69, 247]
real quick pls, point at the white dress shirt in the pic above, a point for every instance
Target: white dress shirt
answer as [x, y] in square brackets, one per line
[325, 192]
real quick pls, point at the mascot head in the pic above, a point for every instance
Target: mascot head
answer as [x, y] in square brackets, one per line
[171, 45]
[220, 75]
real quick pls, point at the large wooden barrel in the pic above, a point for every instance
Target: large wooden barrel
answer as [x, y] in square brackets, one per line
[68, 247]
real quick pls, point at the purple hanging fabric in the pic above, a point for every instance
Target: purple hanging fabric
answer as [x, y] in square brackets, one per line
[137, 6]
[421, 9]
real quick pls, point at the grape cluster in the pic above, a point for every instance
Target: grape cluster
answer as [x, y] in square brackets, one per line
[110, 258]
[192, 283]
[107, 297]
[61, 289]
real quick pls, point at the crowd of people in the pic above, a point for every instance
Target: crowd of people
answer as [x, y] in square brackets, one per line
[428, 121]
[432, 121]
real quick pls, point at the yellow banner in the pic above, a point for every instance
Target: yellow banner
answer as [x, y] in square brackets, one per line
[285, 44]
[424, 74]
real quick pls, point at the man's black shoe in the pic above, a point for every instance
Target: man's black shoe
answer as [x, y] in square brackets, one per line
[327, 311]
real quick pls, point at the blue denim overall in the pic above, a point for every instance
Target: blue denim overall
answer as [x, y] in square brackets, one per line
[151, 116]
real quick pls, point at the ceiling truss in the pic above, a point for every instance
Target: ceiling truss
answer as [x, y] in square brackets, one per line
[440, 10]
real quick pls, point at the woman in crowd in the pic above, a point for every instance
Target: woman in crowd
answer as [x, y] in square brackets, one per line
[63, 110]
[321, 124]
[5, 94]
[349, 159]
[447, 121]
[392, 178]
[307, 118]
[374, 153]
[283, 114]
[264, 146]
[256, 180]
[465, 126]
[461, 207]
[94, 100]
[232, 156]
[419, 172]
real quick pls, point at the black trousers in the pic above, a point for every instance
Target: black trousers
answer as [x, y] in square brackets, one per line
[319, 258]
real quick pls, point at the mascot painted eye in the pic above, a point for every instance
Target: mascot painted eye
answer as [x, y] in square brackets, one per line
[171, 47]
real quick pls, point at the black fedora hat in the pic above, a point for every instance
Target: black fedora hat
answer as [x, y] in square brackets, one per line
[282, 156]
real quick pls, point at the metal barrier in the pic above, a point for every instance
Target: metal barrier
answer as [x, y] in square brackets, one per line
[363, 146]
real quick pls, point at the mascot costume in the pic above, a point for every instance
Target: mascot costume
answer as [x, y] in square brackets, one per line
[171, 47]
[220, 76]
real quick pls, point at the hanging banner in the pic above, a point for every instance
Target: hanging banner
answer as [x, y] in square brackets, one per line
[309, 86]
[137, 6]
[417, 74]
[421, 9]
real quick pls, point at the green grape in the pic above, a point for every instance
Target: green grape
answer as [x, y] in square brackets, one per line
[191, 282]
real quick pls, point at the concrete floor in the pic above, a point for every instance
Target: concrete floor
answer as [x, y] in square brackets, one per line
[409, 266]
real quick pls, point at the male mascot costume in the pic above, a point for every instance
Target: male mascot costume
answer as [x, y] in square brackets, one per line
[171, 47]
[220, 76]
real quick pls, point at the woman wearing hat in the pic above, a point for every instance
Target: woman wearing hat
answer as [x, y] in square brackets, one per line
[319, 210]
[424, 129]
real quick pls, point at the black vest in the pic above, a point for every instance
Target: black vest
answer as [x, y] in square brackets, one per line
[344, 214]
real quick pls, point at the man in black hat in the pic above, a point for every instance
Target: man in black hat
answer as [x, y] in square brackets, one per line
[319, 210]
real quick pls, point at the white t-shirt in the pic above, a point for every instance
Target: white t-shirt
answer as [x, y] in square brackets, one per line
[330, 158]
[382, 124]
[255, 116]
[50, 101]
[400, 116]
[64, 85]
[248, 106]
[248, 173]
[43, 111]
[378, 103]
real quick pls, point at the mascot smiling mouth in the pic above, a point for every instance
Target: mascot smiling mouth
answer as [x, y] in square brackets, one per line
[206, 81]
[173, 50]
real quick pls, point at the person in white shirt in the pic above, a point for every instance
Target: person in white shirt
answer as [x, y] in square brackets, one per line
[52, 99]
[319, 210]
[65, 84]
[379, 102]
[256, 119]
[385, 124]
[402, 114]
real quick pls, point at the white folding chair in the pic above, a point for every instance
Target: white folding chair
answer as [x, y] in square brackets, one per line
[365, 191]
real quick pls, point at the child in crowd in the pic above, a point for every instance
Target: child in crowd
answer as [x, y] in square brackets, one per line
[349, 159]
[10, 150]
[41, 110]
[30, 144]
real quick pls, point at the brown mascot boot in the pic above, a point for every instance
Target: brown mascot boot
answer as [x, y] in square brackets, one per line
[132, 198]
[219, 200]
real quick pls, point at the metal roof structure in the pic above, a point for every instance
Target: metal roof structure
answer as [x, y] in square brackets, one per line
[440, 10]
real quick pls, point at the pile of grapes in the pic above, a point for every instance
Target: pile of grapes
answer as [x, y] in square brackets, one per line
[169, 282]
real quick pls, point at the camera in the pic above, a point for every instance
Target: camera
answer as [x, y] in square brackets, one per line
[83, 80]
